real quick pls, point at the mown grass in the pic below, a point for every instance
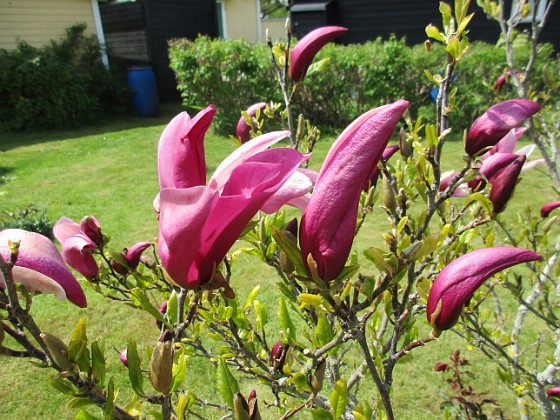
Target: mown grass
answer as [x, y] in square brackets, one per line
[110, 171]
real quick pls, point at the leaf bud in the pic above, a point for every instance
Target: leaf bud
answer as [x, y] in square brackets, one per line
[58, 350]
[240, 407]
[161, 367]
[404, 146]
[318, 377]
[389, 199]
[300, 127]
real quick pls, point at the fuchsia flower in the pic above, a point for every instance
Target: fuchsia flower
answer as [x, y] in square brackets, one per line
[458, 281]
[199, 222]
[243, 131]
[553, 392]
[495, 123]
[132, 257]
[307, 48]
[547, 208]
[77, 246]
[503, 184]
[329, 221]
[39, 266]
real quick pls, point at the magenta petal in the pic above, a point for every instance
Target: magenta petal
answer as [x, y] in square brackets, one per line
[553, 392]
[503, 184]
[507, 144]
[496, 163]
[76, 252]
[296, 186]
[243, 131]
[167, 145]
[189, 163]
[495, 123]
[65, 228]
[92, 229]
[39, 261]
[182, 217]
[134, 253]
[458, 281]
[307, 48]
[241, 154]
[375, 171]
[329, 221]
[547, 208]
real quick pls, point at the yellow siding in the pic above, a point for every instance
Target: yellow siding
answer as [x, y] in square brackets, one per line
[39, 21]
[276, 28]
[242, 19]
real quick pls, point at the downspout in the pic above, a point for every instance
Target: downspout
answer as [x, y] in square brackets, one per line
[259, 21]
[99, 31]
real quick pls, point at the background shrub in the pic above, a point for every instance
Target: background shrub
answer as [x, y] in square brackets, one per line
[62, 85]
[233, 74]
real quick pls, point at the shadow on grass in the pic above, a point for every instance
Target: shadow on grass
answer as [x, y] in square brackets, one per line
[4, 172]
[10, 141]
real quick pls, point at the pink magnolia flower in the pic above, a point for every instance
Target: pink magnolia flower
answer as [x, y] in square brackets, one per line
[553, 392]
[503, 183]
[508, 144]
[243, 131]
[458, 281]
[132, 257]
[307, 48]
[199, 222]
[329, 221]
[77, 247]
[92, 229]
[548, 207]
[496, 122]
[39, 266]
[461, 190]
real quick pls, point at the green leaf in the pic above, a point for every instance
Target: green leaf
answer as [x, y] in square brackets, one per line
[63, 386]
[285, 321]
[323, 329]
[464, 23]
[84, 415]
[110, 400]
[301, 382]
[376, 256]
[339, 398]
[78, 403]
[347, 272]
[261, 315]
[434, 33]
[251, 297]
[179, 373]
[309, 299]
[320, 414]
[318, 66]
[172, 308]
[140, 299]
[227, 385]
[290, 248]
[78, 351]
[482, 200]
[134, 370]
[98, 361]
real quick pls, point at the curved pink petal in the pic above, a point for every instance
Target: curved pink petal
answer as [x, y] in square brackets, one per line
[183, 214]
[92, 229]
[167, 145]
[503, 184]
[329, 221]
[496, 163]
[495, 123]
[458, 281]
[76, 252]
[189, 163]
[241, 154]
[39, 264]
[548, 207]
[296, 186]
[134, 253]
[507, 144]
[375, 171]
[65, 228]
[307, 48]
[532, 164]
[243, 131]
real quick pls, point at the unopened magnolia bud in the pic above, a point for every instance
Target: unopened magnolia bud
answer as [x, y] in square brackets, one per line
[549, 224]
[58, 350]
[428, 46]
[288, 26]
[318, 377]
[278, 356]
[389, 199]
[253, 406]
[161, 367]
[300, 127]
[291, 234]
[240, 407]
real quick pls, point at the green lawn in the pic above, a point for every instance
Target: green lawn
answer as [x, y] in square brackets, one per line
[110, 171]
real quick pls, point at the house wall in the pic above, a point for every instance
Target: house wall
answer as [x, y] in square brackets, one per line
[39, 21]
[276, 29]
[242, 19]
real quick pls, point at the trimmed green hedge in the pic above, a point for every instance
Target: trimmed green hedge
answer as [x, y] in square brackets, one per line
[233, 74]
[62, 85]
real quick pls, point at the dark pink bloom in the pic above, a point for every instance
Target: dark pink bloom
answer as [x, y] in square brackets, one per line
[278, 355]
[441, 367]
[495, 123]
[134, 253]
[199, 223]
[329, 221]
[307, 48]
[458, 281]
[503, 183]
[243, 131]
[123, 357]
[553, 392]
[446, 178]
[39, 266]
[77, 247]
[92, 229]
[375, 171]
[547, 208]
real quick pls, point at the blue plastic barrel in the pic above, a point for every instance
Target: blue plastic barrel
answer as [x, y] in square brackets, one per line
[142, 83]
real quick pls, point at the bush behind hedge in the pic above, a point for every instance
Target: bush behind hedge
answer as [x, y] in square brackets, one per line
[62, 85]
[233, 74]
